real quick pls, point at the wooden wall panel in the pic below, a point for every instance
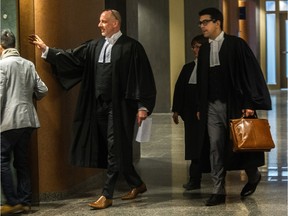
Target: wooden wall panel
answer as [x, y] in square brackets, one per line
[63, 24]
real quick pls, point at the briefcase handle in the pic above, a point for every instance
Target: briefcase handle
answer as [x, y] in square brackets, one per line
[255, 116]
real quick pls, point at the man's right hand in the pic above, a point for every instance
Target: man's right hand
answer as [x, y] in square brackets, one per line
[175, 117]
[37, 41]
[198, 115]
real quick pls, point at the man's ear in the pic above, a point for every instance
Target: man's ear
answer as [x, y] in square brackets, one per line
[116, 23]
[1, 49]
[218, 22]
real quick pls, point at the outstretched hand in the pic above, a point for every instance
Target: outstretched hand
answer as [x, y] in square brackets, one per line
[37, 41]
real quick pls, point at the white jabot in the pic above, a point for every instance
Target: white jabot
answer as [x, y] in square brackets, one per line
[105, 54]
[215, 46]
[193, 77]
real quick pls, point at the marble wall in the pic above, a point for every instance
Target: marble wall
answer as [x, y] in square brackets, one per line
[9, 15]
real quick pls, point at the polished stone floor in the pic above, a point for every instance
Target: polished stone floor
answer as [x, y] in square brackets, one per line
[164, 170]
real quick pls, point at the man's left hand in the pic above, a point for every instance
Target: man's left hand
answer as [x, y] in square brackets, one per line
[248, 112]
[142, 115]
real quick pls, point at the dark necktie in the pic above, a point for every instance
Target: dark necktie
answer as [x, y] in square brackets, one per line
[104, 55]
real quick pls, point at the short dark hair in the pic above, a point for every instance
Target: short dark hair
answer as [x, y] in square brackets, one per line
[8, 39]
[199, 39]
[214, 13]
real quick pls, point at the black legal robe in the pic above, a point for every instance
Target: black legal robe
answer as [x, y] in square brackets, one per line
[132, 82]
[184, 103]
[246, 89]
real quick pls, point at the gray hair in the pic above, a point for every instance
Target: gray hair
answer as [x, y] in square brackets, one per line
[8, 39]
[115, 14]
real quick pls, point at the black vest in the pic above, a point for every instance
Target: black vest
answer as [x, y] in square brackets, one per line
[103, 81]
[217, 84]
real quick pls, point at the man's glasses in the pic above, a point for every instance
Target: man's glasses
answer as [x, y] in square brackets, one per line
[205, 22]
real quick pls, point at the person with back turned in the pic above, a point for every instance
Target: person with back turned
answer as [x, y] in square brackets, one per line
[117, 88]
[19, 85]
[231, 84]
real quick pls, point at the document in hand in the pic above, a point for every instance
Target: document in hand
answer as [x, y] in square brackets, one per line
[144, 131]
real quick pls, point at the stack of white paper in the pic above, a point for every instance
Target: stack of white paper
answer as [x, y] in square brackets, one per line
[144, 131]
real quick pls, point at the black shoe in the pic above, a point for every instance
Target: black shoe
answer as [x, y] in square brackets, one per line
[192, 185]
[215, 199]
[249, 188]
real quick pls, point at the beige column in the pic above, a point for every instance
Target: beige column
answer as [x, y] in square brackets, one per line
[177, 40]
[177, 60]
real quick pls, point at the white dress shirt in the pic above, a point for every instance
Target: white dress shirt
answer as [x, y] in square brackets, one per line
[193, 77]
[105, 54]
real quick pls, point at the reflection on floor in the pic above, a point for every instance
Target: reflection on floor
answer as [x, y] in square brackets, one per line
[164, 170]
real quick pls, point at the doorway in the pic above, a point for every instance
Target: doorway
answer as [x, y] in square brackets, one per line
[276, 25]
[283, 50]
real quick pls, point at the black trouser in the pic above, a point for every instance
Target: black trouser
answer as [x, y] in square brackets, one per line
[195, 172]
[15, 141]
[105, 123]
[194, 169]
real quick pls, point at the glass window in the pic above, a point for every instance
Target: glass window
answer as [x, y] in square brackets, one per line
[283, 5]
[270, 6]
[271, 48]
[286, 23]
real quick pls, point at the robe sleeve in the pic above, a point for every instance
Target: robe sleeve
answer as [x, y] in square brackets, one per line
[179, 92]
[141, 84]
[253, 85]
[68, 65]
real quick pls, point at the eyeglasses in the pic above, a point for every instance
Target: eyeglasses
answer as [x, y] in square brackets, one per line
[205, 22]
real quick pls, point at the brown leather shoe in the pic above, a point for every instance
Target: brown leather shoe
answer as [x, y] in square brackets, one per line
[8, 209]
[134, 192]
[25, 209]
[101, 203]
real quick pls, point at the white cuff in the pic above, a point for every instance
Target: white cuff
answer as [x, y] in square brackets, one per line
[45, 53]
[143, 109]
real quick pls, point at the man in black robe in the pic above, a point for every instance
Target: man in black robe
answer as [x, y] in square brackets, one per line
[117, 84]
[231, 84]
[185, 105]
